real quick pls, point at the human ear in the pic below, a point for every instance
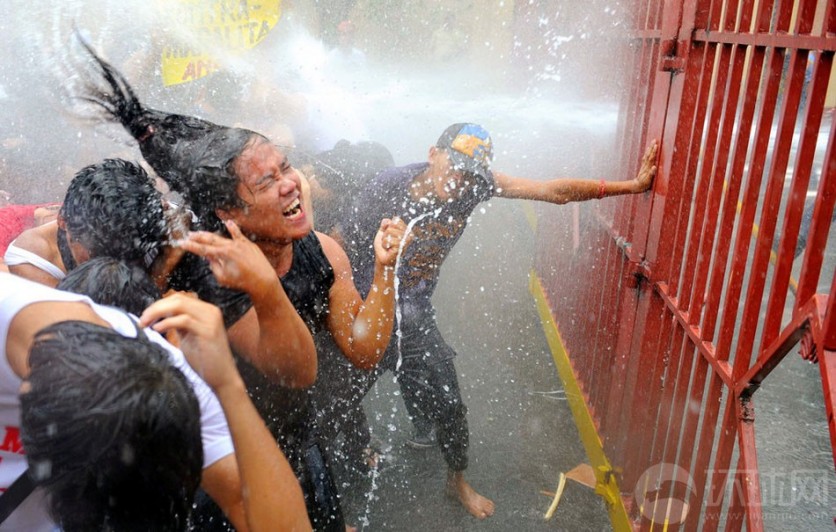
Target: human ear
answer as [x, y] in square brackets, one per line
[223, 215]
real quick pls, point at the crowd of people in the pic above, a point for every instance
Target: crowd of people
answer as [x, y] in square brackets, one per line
[196, 356]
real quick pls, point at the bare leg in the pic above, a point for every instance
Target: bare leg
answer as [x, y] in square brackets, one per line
[477, 505]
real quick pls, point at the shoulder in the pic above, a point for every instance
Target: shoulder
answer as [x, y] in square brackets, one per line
[401, 174]
[42, 241]
[330, 247]
[335, 254]
[391, 179]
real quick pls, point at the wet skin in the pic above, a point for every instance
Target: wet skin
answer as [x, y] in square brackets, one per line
[272, 192]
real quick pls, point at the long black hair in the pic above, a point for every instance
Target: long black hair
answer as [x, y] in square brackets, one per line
[193, 156]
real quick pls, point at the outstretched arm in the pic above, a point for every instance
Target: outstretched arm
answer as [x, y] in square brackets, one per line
[362, 329]
[566, 190]
[271, 495]
[273, 338]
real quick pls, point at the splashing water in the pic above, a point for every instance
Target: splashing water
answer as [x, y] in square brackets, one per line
[364, 520]
[375, 472]
[398, 332]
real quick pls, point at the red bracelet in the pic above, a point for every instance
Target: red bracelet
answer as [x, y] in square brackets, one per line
[601, 190]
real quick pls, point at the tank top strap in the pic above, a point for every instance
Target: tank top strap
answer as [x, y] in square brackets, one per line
[309, 280]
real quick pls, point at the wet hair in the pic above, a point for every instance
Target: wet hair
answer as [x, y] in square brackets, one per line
[193, 156]
[212, 181]
[112, 209]
[348, 167]
[343, 171]
[109, 281]
[111, 430]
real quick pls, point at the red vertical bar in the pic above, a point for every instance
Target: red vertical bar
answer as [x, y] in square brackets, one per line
[720, 469]
[771, 203]
[774, 60]
[748, 470]
[670, 382]
[602, 367]
[692, 249]
[699, 470]
[632, 216]
[596, 298]
[711, 186]
[734, 515]
[632, 341]
[801, 177]
[672, 205]
[734, 178]
[827, 368]
[644, 419]
[823, 209]
[683, 400]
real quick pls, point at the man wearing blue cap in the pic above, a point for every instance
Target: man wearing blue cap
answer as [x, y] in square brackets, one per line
[437, 197]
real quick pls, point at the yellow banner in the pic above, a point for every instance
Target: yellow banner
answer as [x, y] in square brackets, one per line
[230, 25]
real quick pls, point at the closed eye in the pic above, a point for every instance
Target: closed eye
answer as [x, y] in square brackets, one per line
[265, 182]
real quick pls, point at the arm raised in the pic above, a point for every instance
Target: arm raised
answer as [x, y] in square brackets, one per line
[269, 491]
[362, 329]
[271, 336]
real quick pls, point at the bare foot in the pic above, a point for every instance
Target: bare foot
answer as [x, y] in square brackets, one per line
[478, 506]
[349, 528]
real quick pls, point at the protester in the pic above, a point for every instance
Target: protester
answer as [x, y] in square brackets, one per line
[439, 196]
[63, 324]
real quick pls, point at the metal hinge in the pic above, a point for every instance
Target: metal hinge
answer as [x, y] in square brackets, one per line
[673, 55]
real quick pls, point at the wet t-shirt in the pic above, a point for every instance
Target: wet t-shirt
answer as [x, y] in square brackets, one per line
[440, 226]
[287, 411]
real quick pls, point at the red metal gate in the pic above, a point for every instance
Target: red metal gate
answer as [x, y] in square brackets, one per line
[692, 302]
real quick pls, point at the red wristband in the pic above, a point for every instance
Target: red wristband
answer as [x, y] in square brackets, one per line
[601, 190]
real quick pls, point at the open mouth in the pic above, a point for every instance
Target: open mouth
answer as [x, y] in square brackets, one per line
[294, 210]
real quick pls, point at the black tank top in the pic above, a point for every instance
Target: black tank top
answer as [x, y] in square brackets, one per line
[287, 412]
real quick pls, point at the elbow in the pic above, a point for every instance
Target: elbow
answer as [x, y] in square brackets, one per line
[365, 364]
[367, 361]
[299, 374]
[301, 379]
